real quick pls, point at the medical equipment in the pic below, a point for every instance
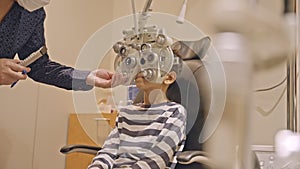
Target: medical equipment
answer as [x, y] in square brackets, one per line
[30, 59]
[180, 18]
[144, 49]
[292, 65]
[256, 37]
[285, 154]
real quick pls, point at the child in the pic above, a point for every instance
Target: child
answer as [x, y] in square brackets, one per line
[147, 135]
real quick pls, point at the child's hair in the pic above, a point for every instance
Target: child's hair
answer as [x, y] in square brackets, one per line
[173, 93]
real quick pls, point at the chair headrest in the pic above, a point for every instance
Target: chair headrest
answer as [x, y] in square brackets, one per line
[188, 50]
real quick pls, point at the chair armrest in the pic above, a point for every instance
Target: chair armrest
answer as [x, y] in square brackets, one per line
[80, 149]
[188, 157]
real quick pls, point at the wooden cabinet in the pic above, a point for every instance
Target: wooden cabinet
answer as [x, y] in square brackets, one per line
[87, 129]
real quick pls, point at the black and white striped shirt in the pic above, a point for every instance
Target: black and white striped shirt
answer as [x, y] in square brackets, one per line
[144, 138]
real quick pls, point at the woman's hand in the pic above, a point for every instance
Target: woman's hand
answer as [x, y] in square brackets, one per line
[100, 78]
[10, 71]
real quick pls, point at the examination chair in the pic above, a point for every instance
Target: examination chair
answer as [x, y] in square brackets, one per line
[194, 95]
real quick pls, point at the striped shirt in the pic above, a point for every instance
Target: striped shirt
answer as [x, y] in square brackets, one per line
[144, 138]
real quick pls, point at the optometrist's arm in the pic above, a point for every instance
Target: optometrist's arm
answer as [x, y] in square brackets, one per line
[10, 71]
[53, 73]
[45, 70]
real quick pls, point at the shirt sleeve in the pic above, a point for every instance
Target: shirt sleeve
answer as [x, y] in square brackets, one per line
[106, 156]
[44, 70]
[161, 154]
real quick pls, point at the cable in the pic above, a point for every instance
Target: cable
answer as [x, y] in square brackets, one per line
[270, 88]
[267, 112]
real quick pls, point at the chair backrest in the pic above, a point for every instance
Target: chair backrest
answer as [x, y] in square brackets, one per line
[194, 87]
[195, 97]
[195, 92]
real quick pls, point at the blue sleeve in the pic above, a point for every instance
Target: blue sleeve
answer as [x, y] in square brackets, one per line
[44, 70]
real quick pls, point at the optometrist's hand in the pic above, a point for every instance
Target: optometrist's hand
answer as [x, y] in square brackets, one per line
[100, 78]
[10, 71]
[118, 79]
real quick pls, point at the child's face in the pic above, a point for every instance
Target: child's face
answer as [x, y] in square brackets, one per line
[146, 85]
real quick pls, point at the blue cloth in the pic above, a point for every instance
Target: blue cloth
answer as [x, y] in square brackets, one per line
[22, 33]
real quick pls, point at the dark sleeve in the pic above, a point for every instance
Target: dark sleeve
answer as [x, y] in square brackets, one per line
[44, 70]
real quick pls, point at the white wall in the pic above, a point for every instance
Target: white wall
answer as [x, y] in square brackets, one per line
[33, 123]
